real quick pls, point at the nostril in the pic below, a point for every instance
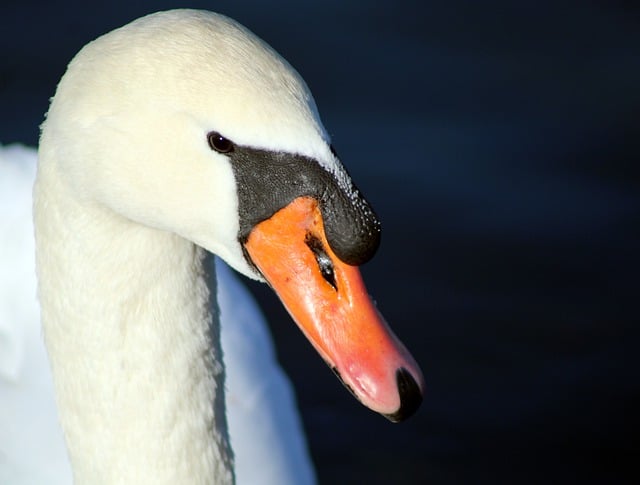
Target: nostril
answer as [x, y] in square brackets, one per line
[410, 396]
[322, 258]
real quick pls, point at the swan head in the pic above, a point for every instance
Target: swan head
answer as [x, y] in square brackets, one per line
[186, 122]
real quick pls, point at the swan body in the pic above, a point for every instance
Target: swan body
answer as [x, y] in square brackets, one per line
[175, 137]
[264, 427]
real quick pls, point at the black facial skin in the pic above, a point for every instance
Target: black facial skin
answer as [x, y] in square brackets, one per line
[268, 181]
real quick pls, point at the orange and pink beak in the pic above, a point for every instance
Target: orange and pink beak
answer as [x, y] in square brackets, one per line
[329, 302]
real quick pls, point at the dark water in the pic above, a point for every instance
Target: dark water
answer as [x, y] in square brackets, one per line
[499, 143]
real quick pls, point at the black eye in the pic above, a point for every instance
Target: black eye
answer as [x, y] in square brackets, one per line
[219, 143]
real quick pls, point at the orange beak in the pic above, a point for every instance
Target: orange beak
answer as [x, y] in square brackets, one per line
[330, 304]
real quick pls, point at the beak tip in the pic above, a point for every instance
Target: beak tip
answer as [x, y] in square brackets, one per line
[410, 396]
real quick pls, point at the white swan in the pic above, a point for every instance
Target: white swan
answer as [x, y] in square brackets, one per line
[264, 427]
[178, 132]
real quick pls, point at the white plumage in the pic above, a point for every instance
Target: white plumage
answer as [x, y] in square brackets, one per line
[264, 425]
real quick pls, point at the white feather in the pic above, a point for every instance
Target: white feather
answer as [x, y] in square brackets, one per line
[264, 426]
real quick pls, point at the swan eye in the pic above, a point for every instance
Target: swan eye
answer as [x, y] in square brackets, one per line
[322, 258]
[219, 143]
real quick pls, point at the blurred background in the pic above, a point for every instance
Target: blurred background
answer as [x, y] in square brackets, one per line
[499, 143]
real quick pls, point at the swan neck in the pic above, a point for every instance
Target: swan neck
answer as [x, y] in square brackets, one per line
[131, 328]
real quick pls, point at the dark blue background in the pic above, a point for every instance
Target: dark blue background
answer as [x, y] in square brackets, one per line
[499, 143]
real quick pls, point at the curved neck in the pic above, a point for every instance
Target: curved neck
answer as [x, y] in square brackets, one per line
[133, 344]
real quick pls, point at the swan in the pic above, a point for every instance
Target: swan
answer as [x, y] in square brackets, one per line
[264, 427]
[178, 136]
